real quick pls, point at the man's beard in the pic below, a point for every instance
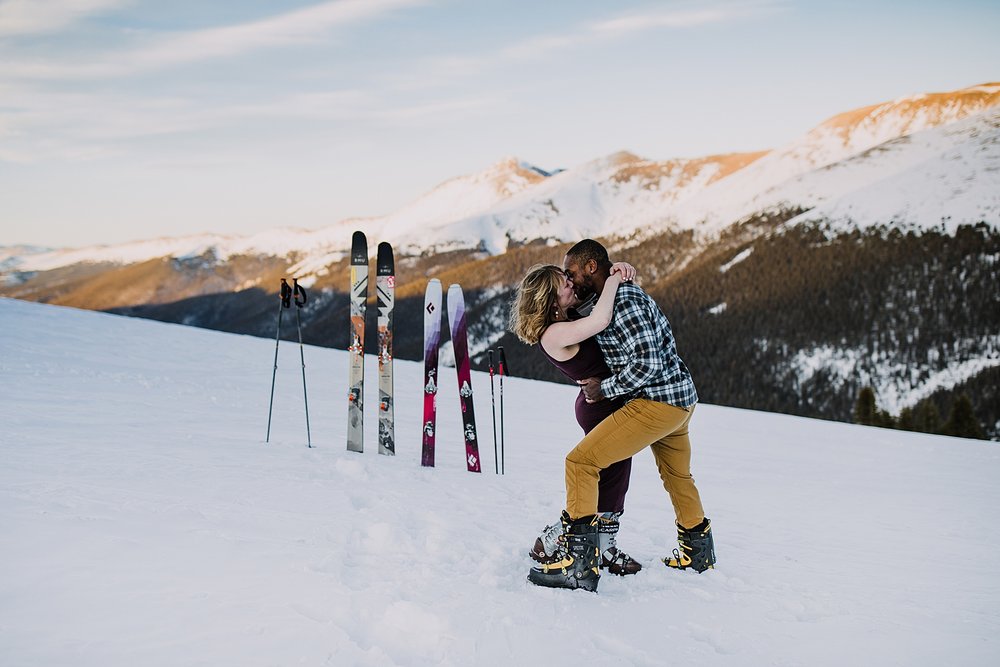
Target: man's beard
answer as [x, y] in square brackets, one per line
[583, 291]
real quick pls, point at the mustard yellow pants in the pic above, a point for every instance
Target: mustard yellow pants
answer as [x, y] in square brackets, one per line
[639, 424]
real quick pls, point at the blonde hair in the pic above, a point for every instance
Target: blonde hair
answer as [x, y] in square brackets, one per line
[532, 312]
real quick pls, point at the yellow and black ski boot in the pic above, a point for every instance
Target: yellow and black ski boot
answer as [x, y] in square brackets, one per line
[697, 548]
[577, 559]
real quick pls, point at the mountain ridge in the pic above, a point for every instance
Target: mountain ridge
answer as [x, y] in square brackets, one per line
[513, 201]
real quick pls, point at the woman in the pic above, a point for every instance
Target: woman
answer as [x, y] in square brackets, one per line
[540, 315]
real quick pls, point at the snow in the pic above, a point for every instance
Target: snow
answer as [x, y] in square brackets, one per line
[146, 522]
[742, 255]
[956, 150]
[939, 178]
[897, 384]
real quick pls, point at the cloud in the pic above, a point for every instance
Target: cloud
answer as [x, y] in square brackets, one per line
[294, 27]
[46, 125]
[627, 24]
[623, 25]
[32, 17]
[161, 51]
[45, 121]
[443, 70]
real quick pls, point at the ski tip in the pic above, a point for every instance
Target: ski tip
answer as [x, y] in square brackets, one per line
[456, 303]
[359, 248]
[384, 262]
[433, 290]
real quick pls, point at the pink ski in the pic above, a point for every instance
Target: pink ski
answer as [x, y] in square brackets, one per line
[460, 344]
[432, 338]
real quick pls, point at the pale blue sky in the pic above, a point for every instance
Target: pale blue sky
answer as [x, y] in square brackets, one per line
[132, 119]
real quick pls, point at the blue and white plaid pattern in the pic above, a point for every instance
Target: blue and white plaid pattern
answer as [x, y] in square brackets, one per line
[639, 348]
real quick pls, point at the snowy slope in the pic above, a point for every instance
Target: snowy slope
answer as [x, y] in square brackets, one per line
[147, 523]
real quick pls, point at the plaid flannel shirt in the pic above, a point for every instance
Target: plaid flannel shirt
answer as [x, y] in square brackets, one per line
[639, 348]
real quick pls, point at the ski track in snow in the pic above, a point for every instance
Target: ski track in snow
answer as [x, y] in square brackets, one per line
[146, 522]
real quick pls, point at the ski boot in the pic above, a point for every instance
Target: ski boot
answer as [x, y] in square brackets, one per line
[613, 559]
[575, 564]
[548, 544]
[697, 548]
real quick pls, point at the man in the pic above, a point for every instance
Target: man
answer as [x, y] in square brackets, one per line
[640, 350]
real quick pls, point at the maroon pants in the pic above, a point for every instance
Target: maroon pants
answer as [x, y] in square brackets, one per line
[613, 486]
[613, 483]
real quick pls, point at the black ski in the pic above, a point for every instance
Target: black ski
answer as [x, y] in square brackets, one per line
[356, 345]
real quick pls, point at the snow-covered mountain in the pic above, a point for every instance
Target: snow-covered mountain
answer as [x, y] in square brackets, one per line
[623, 194]
[928, 157]
[13, 256]
[459, 198]
[611, 196]
[146, 522]
[418, 226]
[941, 177]
[775, 264]
[851, 138]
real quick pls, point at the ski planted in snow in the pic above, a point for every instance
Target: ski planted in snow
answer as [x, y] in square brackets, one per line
[432, 339]
[356, 343]
[460, 344]
[385, 289]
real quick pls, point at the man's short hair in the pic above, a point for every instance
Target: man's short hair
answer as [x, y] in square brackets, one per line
[589, 249]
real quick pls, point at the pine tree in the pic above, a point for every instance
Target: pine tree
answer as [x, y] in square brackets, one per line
[864, 409]
[884, 419]
[906, 421]
[927, 419]
[962, 420]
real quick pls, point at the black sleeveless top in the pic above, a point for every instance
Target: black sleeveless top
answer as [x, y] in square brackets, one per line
[586, 363]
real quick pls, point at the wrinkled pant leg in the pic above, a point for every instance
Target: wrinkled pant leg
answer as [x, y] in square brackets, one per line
[673, 460]
[627, 431]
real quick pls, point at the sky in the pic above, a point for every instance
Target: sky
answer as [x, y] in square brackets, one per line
[123, 120]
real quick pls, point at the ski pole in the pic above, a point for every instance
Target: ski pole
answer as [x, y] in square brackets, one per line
[299, 303]
[493, 407]
[285, 302]
[503, 371]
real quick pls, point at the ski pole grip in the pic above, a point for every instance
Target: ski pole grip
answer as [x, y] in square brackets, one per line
[489, 355]
[286, 294]
[503, 360]
[299, 291]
